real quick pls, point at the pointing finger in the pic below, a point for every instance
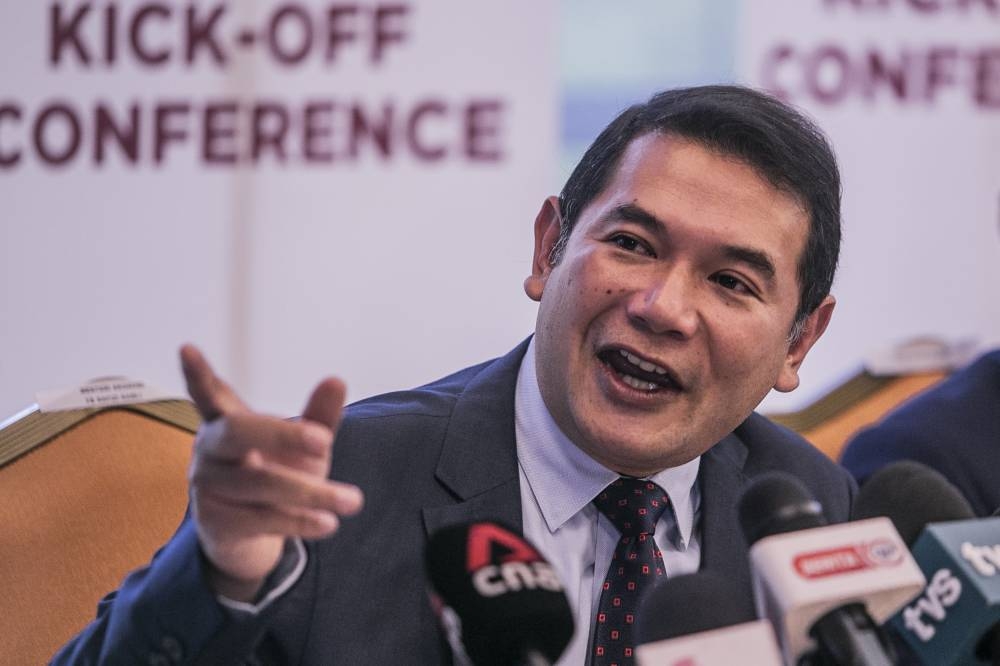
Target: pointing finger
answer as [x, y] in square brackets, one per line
[212, 396]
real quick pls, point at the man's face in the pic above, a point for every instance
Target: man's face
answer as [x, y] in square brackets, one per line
[666, 320]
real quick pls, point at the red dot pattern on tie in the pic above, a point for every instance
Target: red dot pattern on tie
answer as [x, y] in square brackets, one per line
[633, 506]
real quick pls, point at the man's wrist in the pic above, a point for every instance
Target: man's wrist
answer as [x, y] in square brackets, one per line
[254, 596]
[235, 589]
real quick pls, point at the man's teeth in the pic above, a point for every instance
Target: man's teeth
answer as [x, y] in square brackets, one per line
[638, 383]
[645, 365]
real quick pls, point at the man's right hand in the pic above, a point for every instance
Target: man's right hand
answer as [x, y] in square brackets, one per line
[256, 480]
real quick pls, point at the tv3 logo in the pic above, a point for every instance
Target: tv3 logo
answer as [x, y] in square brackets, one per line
[984, 559]
[943, 592]
[945, 589]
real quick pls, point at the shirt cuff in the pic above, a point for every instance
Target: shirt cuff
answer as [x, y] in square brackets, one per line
[289, 570]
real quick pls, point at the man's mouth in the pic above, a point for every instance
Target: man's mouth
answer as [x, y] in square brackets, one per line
[639, 373]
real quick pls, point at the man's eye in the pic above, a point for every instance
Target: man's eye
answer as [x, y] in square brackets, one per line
[732, 283]
[631, 244]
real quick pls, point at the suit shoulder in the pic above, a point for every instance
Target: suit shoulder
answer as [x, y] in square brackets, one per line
[770, 442]
[964, 402]
[435, 399]
[773, 447]
[397, 433]
[950, 427]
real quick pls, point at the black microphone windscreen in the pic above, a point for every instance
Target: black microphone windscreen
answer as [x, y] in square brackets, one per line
[507, 597]
[776, 503]
[911, 495]
[688, 605]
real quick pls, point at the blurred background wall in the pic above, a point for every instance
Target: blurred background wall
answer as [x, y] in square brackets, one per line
[305, 188]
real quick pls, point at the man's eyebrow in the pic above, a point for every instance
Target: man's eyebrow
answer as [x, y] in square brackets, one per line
[638, 215]
[756, 259]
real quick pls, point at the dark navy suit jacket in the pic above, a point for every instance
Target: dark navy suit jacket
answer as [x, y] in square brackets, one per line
[953, 428]
[441, 454]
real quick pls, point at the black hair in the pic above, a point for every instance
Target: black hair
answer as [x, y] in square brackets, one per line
[778, 142]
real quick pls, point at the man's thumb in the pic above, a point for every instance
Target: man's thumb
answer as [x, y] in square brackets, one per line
[326, 403]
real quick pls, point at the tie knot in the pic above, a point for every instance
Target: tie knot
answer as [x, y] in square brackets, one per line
[632, 505]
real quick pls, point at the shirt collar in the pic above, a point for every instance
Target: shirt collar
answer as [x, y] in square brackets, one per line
[564, 479]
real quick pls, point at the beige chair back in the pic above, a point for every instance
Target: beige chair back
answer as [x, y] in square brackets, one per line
[85, 497]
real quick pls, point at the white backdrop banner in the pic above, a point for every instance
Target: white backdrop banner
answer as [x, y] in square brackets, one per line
[302, 188]
[909, 92]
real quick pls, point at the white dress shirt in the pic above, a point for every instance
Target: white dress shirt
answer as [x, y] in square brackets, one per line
[559, 481]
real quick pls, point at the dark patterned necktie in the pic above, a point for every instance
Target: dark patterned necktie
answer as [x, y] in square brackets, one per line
[633, 506]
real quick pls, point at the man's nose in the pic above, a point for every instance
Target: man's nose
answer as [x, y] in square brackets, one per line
[666, 304]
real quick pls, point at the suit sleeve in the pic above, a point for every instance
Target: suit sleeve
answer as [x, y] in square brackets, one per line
[165, 613]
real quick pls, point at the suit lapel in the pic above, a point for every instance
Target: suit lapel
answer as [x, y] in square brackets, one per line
[722, 481]
[478, 461]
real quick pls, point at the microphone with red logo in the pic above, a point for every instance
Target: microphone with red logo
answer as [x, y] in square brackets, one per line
[956, 618]
[826, 588]
[690, 621]
[499, 601]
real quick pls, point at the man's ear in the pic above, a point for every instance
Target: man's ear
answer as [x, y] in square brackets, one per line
[548, 223]
[812, 328]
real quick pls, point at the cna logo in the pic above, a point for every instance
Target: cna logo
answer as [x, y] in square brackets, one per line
[501, 562]
[847, 559]
[489, 543]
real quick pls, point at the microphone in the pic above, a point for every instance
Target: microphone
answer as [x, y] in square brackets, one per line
[826, 588]
[500, 602]
[689, 621]
[956, 619]
[911, 495]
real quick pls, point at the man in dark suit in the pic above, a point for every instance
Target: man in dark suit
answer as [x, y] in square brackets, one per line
[953, 427]
[683, 272]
